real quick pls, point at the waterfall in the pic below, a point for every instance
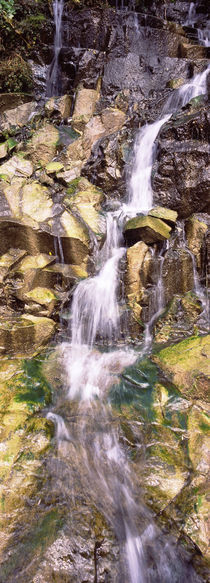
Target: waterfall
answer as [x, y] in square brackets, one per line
[53, 83]
[191, 20]
[90, 373]
[140, 186]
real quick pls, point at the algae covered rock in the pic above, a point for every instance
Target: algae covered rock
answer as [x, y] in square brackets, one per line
[187, 365]
[36, 202]
[163, 213]
[179, 320]
[148, 229]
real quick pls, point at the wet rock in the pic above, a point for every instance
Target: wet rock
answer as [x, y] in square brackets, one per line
[177, 273]
[180, 178]
[35, 240]
[107, 162]
[138, 265]
[196, 230]
[179, 320]
[58, 107]
[165, 214]
[148, 229]
[17, 117]
[186, 364]
[43, 145]
[25, 334]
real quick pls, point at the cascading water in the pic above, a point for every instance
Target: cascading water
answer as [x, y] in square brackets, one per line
[191, 20]
[146, 555]
[53, 81]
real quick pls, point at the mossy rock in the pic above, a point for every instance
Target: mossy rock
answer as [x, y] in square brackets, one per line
[148, 229]
[53, 167]
[187, 365]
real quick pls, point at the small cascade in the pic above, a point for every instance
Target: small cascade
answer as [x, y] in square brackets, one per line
[158, 300]
[191, 17]
[198, 289]
[204, 36]
[53, 82]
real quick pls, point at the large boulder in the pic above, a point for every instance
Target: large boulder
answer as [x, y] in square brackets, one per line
[148, 229]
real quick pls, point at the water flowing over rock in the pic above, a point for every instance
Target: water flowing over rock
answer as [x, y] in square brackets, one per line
[103, 297]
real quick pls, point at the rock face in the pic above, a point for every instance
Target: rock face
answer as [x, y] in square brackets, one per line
[181, 177]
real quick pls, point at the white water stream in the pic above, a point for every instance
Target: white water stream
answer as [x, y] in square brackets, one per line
[90, 374]
[53, 72]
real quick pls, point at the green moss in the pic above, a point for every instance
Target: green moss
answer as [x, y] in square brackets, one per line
[71, 190]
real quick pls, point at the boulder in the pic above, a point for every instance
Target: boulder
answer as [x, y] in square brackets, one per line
[148, 229]
[165, 214]
[9, 260]
[138, 265]
[17, 117]
[36, 202]
[25, 334]
[110, 121]
[30, 201]
[43, 145]
[84, 107]
[85, 198]
[35, 240]
[41, 296]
